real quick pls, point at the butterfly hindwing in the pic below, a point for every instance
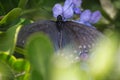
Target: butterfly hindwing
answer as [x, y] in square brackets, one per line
[84, 37]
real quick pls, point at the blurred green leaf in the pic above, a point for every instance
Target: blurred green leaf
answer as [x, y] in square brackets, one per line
[108, 7]
[5, 68]
[92, 4]
[36, 75]
[6, 58]
[103, 56]
[11, 16]
[116, 3]
[20, 50]
[7, 5]
[63, 68]
[22, 76]
[8, 39]
[5, 72]
[40, 9]
[41, 3]
[21, 69]
[39, 51]
[21, 65]
[22, 3]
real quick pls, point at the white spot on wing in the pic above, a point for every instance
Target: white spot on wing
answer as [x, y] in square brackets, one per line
[84, 46]
[80, 47]
[80, 52]
[23, 41]
[77, 58]
[89, 46]
[75, 51]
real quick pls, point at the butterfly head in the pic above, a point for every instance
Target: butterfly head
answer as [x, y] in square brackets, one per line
[59, 18]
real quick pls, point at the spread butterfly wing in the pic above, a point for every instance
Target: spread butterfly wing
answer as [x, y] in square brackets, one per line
[47, 27]
[83, 37]
[79, 38]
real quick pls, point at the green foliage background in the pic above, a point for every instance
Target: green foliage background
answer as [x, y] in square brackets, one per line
[37, 64]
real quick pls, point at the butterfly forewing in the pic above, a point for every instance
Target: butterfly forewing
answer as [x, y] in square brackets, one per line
[47, 27]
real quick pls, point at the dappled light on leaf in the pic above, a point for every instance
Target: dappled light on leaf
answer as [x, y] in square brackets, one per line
[103, 57]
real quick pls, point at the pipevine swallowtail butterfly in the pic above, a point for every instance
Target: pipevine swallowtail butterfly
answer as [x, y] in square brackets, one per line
[79, 37]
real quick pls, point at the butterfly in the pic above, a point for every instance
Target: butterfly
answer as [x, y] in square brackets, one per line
[79, 37]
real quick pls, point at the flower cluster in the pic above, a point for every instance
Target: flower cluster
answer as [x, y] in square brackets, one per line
[72, 7]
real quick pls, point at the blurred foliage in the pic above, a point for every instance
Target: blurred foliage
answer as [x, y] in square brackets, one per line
[39, 62]
[12, 68]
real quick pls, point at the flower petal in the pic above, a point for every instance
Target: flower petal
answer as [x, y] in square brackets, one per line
[77, 3]
[57, 10]
[67, 3]
[76, 10]
[67, 13]
[85, 16]
[68, 9]
[95, 17]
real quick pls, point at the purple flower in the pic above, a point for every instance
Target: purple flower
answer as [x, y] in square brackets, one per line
[72, 6]
[67, 11]
[95, 17]
[84, 56]
[75, 5]
[88, 18]
[57, 10]
[68, 3]
[85, 16]
[76, 10]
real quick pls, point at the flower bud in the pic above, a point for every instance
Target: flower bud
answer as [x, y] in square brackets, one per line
[77, 10]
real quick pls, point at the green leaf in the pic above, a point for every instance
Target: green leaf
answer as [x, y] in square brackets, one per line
[22, 3]
[39, 50]
[7, 5]
[5, 72]
[3, 56]
[11, 16]
[6, 62]
[8, 39]
[7, 59]
[20, 50]
[21, 65]
[103, 59]
[36, 75]
[116, 3]
[22, 76]
[40, 9]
